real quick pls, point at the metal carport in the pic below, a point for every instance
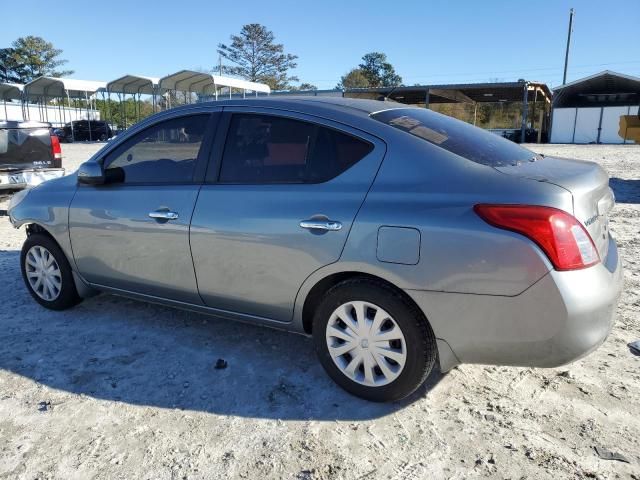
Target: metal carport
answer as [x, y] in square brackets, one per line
[190, 81]
[132, 85]
[43, 89]
[10, 91]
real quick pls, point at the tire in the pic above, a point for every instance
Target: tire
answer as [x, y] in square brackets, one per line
[103, 138]
[415, 340]
[43, 246]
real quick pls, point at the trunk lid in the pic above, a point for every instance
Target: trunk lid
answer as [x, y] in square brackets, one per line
[587, 182]
[25, 145]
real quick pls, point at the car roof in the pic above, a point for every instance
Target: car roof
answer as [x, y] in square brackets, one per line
[310, 104]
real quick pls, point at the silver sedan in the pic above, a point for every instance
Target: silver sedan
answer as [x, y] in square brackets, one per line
[400, 239]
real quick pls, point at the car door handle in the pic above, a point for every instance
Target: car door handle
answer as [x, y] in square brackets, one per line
[163, 215]
[325, 225]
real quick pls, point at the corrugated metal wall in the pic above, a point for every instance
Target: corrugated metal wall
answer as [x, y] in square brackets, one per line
[589, 124]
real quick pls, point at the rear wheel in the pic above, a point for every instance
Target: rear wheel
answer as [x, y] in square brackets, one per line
[372, 341]
[47, 273]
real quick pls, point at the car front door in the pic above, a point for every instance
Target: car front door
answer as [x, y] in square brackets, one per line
[133, 232]
[278, 207]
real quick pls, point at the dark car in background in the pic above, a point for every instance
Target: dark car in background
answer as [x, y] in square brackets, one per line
[29, 154]
[85, 130]
[58, 132]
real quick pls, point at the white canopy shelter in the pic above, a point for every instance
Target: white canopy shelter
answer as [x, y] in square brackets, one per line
[135, 85]
[42, 89]
[10, 91]
[50, 87]
[207, 84]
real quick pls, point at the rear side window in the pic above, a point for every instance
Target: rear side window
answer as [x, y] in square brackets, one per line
[164, 153]
[456, 136]
[270, 149]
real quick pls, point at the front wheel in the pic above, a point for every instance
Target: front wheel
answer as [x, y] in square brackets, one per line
[372, 341]
[47, 273]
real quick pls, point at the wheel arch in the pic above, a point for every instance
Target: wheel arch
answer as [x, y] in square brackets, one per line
[317, 284]
[321, 286]
[83, 289]
[34, 227]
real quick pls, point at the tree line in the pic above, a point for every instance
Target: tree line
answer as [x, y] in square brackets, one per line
[258, 58]
[29, 58]
[253, 55]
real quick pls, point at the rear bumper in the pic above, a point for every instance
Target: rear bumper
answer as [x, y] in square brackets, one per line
[561, 318]
[28, 178]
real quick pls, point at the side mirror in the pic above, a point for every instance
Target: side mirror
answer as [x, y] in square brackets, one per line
[91, 173]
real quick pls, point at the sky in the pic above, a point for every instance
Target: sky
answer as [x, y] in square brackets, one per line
[427, 41]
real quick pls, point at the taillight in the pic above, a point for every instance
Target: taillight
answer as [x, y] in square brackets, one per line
[55, 148]
[560, 235]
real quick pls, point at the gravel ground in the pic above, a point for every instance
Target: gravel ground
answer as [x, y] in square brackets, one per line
[121, 389]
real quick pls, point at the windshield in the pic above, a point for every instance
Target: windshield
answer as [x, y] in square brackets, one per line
[456, 136]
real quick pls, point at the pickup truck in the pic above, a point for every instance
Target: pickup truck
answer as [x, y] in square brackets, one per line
[29, 154]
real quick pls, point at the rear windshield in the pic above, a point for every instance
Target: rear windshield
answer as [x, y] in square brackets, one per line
[456, 136]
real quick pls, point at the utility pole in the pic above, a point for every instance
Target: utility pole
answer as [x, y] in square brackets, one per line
[219, 64]
[566, 55]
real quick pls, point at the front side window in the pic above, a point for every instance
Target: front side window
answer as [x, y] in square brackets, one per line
[164, 153]
[456, 136]
[270, 149]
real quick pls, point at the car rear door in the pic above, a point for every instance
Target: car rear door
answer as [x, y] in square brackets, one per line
[281, 194]
[133, 232]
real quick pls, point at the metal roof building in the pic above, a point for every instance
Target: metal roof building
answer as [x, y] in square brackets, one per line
[606, 88]
[461, 92]
[601, 108]
[526, 93]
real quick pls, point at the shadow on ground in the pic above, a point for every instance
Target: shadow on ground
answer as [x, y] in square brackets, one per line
[122, 350]
[626, 190]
